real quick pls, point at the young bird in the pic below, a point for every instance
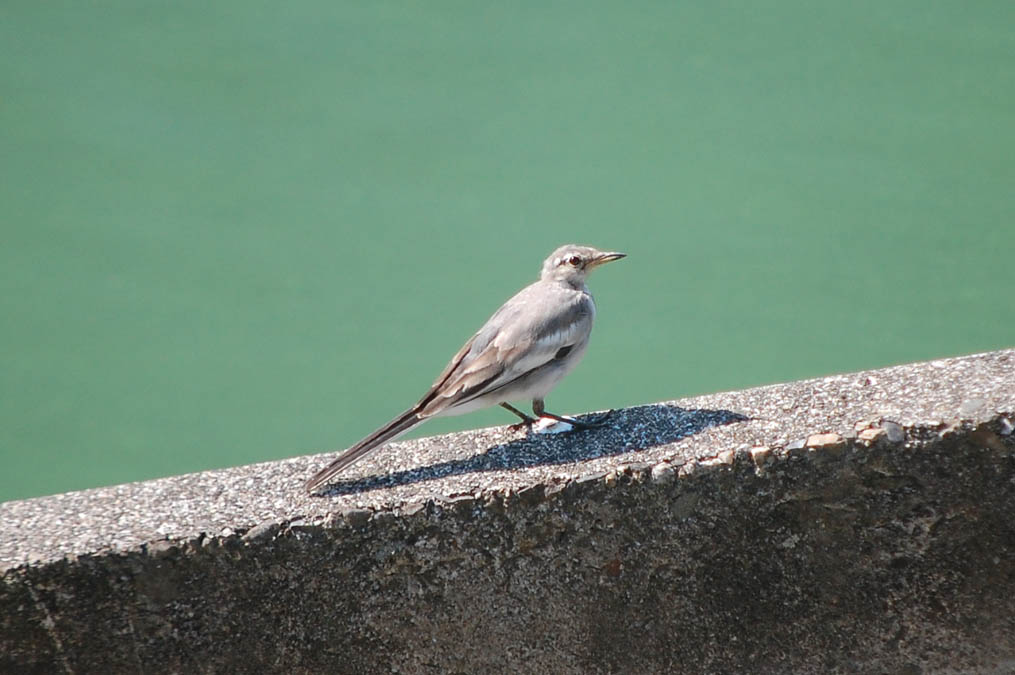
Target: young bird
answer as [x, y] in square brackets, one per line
[521, 353]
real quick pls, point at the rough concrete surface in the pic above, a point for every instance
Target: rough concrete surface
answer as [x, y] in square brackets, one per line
[861, 523]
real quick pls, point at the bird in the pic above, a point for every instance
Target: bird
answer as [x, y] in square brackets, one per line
[522, 352]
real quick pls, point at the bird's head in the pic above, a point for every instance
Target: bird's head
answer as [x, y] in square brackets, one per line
[572, 263]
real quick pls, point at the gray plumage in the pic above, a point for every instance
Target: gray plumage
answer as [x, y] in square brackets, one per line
[523, 350]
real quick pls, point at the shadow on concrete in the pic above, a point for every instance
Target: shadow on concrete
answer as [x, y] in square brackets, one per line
[624, 431]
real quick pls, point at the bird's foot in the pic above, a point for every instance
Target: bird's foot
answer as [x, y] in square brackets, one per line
[524, 424]
[594, 423]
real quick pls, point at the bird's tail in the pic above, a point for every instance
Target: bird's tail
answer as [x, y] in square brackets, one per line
[389, 431]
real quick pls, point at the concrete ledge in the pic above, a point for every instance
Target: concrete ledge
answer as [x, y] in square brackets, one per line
[850, 524]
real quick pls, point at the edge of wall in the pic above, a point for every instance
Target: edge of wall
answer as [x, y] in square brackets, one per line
[853, 523]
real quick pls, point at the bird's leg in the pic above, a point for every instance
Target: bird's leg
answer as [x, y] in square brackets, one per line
[539, 408]
[526, 422]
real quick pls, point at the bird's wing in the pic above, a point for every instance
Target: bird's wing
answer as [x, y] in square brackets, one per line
[456, 360]
[514, 342]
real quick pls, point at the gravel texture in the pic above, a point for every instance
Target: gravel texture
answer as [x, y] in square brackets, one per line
[854, 523]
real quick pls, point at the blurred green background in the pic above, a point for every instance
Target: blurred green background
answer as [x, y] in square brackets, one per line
[246, 230]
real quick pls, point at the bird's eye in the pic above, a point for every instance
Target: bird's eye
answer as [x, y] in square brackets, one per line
[574, 261]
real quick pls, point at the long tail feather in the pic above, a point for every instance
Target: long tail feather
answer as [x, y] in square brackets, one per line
[389, 431]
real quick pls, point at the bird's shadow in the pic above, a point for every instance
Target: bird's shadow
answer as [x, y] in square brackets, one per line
[624, 431]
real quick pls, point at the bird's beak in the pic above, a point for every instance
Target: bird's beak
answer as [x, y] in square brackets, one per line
[605, 258]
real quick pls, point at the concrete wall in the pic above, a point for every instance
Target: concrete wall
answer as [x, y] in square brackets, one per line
[861, 523]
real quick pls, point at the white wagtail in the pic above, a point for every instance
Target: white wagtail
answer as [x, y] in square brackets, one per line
[521, 353]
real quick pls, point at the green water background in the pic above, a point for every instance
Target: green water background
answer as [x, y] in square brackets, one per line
[240, 231]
